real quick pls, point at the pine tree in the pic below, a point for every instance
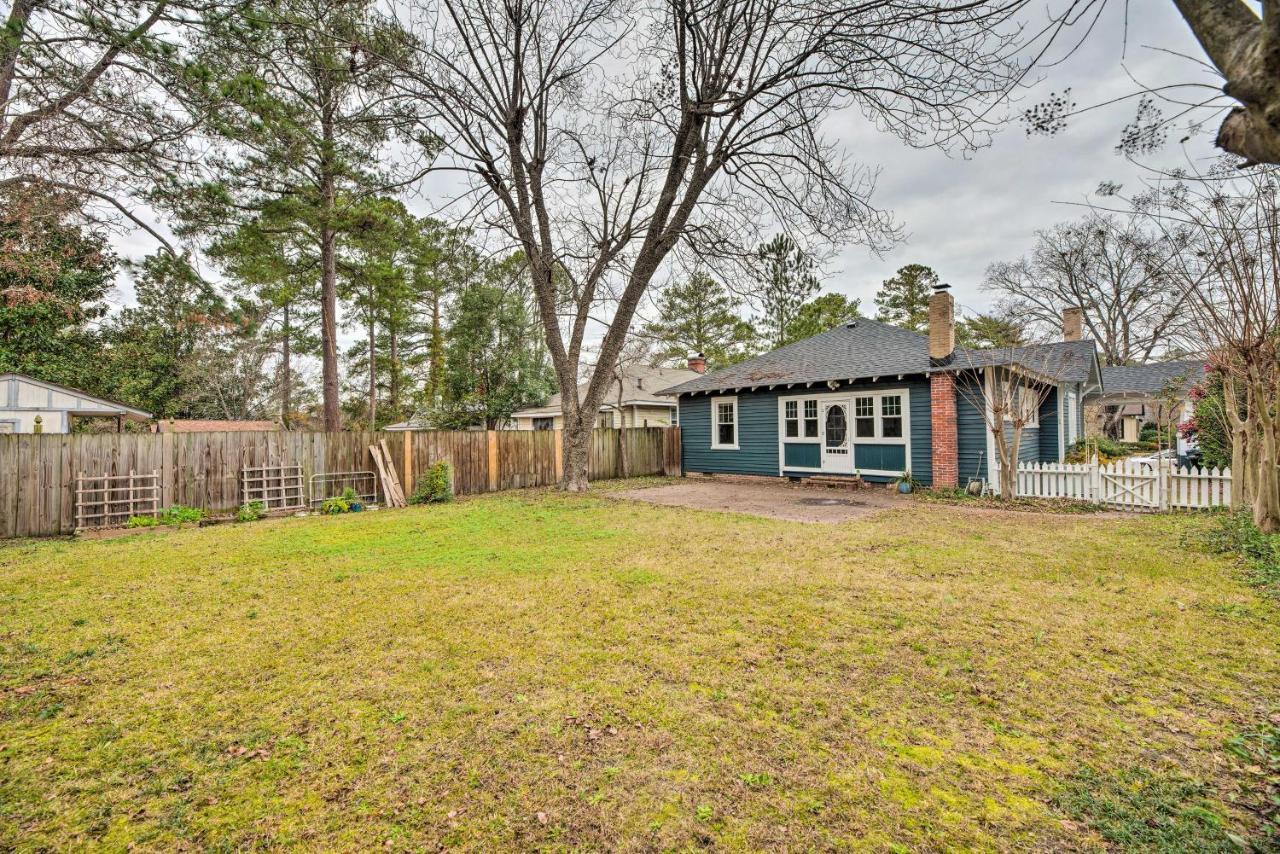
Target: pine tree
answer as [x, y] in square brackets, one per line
[823, 313]
[904, 300]
[787, 280]
[700, 316]
[990, 331]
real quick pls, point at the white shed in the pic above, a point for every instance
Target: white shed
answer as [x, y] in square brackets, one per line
[22, 398]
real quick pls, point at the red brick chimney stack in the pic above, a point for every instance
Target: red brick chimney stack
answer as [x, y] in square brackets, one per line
[698, 363]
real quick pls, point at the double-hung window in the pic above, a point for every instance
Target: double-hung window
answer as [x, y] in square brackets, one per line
[800, 419]
[724, 422]
[811, 419]
[864, 417]
[878, 416]
[891, 416]
[791, 418]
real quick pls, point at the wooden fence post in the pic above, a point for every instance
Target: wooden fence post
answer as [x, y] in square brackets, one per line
[492, 436]
[558, 436]
[408, 463]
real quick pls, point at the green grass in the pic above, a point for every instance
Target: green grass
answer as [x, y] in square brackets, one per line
[533, 670]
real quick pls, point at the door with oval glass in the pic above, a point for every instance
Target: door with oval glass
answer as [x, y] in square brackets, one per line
[835, 437]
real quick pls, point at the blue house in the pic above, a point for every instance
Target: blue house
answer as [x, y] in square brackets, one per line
[878, 401]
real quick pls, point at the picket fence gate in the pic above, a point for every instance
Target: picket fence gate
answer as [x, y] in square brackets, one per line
[1128, 484]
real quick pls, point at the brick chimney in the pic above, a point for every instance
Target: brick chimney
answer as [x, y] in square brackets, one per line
[942, 389]
[1072, 323]
[698, 363]
[942, 325]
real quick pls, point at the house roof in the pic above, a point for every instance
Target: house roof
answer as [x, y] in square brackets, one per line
[201, 425]
[642, 385]
[1153, 378]
[92, 405]
[866, 349]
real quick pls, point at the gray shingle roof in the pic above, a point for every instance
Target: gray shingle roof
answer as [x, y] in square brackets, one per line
[1152, 378]
[868, 348]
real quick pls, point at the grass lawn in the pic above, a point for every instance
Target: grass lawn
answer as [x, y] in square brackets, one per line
[536, 670]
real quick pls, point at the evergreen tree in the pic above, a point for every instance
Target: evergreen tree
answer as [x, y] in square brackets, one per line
[496, 360]
[787, 280]
[55, 275]
[271, 262]
[150, 344]
[700, 316]
[990, 331]
[310, 114]
[823, 313]
[904, 299]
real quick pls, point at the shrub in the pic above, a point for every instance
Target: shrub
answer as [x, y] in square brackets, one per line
[1108, 449]
[435, 485]
[251, 512]
[142, 522]
[180, 514]
[1235, 534]
[333, 506]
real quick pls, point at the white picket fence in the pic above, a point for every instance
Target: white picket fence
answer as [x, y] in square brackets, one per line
[1128, 485]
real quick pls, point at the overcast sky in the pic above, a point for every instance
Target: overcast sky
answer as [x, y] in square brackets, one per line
[963, 212]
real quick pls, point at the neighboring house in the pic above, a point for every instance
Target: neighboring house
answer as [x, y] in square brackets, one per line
[879, 401]
[641, 404]
[202, 425]
[1137, 394]
[23, 399]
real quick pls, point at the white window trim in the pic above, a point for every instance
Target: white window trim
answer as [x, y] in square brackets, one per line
[854, 441]
[715, 423]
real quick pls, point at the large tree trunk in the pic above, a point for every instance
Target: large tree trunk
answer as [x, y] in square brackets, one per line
[435, 368]
[1266, 498]
[373, 366]
[286, 370]
[329, 327]
[1246, 50]
[576, 445]
[329, 274]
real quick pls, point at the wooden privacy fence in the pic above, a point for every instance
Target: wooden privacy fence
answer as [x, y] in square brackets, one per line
[1128, 484]
[39, 472]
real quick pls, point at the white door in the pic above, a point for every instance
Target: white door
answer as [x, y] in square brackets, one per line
[835, 438]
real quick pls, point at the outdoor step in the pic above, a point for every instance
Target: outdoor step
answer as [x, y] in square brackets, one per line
[836, 482]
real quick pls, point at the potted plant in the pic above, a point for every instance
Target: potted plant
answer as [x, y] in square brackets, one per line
[906, 483]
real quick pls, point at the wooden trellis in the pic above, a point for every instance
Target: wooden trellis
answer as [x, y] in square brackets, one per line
[277, 487]
[109, 500]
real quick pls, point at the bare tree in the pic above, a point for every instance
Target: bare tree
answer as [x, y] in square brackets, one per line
[601, 137]
[1228, 224]
[86, 97]
[1111, 267]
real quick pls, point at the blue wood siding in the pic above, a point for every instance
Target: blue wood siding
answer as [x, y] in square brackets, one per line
[883, 457]
[758, 431]
[971, 432]
[803, 454]
[757, 436]
[1050, 428]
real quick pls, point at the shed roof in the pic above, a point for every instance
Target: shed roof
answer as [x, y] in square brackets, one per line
[865, 348]
[89, 405]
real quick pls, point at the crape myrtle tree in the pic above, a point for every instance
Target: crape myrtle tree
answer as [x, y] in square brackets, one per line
[600, 137]
[1228, 225]
[1006, 387]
